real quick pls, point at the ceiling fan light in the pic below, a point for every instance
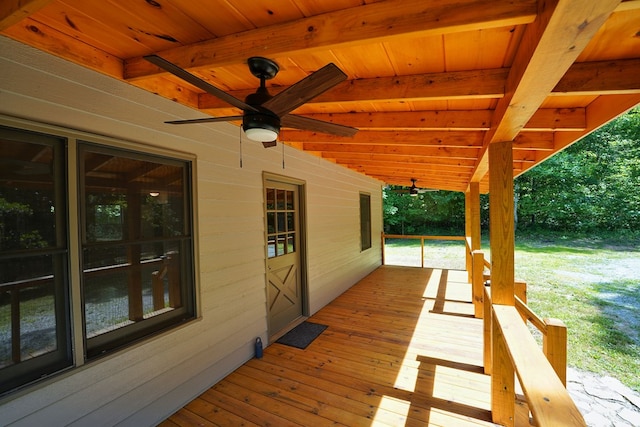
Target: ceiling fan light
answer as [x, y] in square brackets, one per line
[261, 135]
[261, 127]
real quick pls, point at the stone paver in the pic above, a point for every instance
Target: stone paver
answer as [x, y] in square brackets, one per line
[603, 401]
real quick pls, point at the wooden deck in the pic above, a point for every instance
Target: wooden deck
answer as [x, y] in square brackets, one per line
[401, 349]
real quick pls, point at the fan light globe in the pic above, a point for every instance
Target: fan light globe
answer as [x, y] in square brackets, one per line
[261, 135]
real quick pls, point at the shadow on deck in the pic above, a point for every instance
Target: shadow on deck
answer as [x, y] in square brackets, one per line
[402, 348]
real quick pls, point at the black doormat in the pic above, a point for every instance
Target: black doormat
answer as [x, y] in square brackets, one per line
[302, 335]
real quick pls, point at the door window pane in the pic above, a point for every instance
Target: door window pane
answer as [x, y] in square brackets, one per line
[281, 221]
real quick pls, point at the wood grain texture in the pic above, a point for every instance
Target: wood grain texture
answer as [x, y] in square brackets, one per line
[13, 11]
[506, 69]
[547, 397]
[501, 223]
[402, 348]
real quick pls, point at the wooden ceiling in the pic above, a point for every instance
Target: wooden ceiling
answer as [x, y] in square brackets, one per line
[430, 83]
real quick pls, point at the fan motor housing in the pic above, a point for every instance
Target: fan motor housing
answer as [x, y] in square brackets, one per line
[262, 119]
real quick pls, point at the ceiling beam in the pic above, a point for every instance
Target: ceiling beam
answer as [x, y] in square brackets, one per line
[406, 182]
[599, 112]
[14, 11]
[549, 47]
[602, 78]
[476, 84]
[548, 119]
[588, 78]
[396, 159]
[457, 152]
[373, 137]
[431, 169]
[348, 27]
[366, 141]
[557, 119]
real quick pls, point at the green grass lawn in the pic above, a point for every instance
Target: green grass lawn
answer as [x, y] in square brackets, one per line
[591, 285]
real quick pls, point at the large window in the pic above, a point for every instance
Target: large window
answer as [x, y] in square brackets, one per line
[136, 245]
[34, 305]
[134, 253]
[365, 221]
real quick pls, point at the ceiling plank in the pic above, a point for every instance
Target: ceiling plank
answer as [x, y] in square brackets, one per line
[374, 22]
[549, 47]
[14, 11]
[64, 46]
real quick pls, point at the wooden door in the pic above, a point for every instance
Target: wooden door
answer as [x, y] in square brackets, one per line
[284, 284]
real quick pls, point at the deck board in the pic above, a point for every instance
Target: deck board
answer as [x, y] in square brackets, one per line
[402, 349]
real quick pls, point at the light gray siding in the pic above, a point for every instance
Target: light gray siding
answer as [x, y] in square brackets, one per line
[147, 382]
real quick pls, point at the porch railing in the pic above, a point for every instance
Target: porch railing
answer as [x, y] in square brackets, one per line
[416, 237]
[509, 347]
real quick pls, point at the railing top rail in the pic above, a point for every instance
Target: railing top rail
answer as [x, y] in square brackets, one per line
[547, 397]
[531, 316]
[413, 236]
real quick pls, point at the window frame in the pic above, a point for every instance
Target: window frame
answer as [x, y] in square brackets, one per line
[73, 222]
[27, 371]
[365, 222]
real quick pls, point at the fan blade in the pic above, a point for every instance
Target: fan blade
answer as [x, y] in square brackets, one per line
[198, 82]
[306, 89]
[205, 120]
[307, 123]
[268, 144]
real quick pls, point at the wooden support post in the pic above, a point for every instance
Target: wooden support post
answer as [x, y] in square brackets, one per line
[501, 219]
[472, 218]
[503, 397]
[488, 313]
[383, 240]
[477, 284]
[467, 233]
[422, 252]
[554, 347]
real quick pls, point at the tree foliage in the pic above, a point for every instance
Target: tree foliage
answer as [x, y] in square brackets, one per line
[592, 185]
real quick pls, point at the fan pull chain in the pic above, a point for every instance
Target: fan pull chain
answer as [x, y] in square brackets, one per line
[282, 143]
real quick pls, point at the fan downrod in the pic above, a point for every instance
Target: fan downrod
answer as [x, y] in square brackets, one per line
[263, 68]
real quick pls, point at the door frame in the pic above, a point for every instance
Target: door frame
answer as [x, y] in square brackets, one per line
[304, 282]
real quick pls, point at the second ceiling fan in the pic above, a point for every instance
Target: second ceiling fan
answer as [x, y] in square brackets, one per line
[263, 113]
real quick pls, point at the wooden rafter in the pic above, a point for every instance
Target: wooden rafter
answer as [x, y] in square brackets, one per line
[377, 21]
[581, 79]
[550, 46]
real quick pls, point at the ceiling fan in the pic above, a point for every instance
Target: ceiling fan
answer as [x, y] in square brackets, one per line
[413, 190]
[263, 113]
